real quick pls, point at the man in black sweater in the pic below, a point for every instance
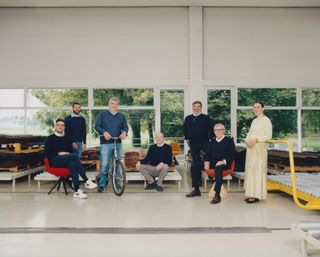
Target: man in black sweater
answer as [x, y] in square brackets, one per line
[58, 150]
[76, 128]
[156, 163]
[220, 154]
[198, 129]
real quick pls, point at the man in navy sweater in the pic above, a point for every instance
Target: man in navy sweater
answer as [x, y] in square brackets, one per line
[76, 128]
[58, 150]
[156, 163]
[220, 154]
[198, 129]
[110, 123]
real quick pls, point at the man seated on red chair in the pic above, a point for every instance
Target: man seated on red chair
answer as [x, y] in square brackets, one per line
[59, 151]
[220, 154]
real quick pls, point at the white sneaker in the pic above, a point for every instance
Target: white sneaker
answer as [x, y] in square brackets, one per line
[90, 185]
[79, 194]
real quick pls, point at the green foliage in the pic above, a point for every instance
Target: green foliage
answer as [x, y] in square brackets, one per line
[311, 97]
[61, 97]
[219, 107]
[269, 96]
[172, 112]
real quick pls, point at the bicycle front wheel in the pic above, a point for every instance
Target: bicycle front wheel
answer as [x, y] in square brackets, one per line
[119, 178]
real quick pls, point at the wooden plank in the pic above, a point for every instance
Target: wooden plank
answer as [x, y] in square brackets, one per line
[16, 168]
[285, 168]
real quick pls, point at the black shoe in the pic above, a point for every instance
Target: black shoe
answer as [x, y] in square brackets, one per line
[194, 193]
[158, 188]
[100, 189]
[216, 199]
[150, 186]
[252, 200]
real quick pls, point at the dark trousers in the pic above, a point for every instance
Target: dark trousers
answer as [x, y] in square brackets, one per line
[72, 162]
[195, 149]
[218, 177]
[196, 172]
[197, 163]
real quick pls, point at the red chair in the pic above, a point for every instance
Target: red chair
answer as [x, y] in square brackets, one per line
[62, 173]
[212, 173]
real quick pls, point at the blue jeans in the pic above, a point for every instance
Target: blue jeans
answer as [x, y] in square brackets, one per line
[72, 162]
[79, 150]
[106, 154]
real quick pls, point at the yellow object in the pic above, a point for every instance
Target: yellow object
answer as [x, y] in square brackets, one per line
[224, 193]
[313, 203]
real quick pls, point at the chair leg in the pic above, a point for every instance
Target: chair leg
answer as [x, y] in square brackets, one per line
[69, 183]
[55, 185]
[64, 186]
[59, 185]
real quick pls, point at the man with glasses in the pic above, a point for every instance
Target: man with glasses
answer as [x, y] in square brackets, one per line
[110, 123]
[220, 154]
[58, 150]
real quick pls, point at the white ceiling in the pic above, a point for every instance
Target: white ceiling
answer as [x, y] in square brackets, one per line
[123, 3]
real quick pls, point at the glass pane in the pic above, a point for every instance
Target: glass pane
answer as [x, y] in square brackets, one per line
[141, 128]
[311, 130]
[11, 121]
[269, 96]
[11, 97]
[41, 122]
[172, 112]
[311, 97]
[127, 96]
[56, 97]
[219, 107]
[284, 123]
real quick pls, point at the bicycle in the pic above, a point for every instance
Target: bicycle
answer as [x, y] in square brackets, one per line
[117, 173]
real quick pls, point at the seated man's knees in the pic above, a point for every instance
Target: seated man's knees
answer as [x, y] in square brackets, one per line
[165, 167]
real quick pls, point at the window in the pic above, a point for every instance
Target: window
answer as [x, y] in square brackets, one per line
[141, 128]
[56, 97]
[42, 121]
[127, 96]
[310, 130]
[219, 107]
[172, 112]
[269, 96]
[11, 121]
[311, 97]
[137, 105]
[11, 97]
[280, 107]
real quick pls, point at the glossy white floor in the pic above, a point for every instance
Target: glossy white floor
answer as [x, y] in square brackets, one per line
[145, 223]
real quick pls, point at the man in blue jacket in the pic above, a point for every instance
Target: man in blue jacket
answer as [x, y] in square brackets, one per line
[110, 123]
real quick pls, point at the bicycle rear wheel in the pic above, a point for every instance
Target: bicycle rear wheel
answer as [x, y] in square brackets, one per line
[119, 178]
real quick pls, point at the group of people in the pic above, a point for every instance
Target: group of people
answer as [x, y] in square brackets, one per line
[210, 149]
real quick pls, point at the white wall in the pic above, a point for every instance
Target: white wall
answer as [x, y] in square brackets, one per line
[258, 47]
[81, 46]
[262, 46]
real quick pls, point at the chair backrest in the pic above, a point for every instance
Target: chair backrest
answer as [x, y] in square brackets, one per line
[175, 148]
[59, 172]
